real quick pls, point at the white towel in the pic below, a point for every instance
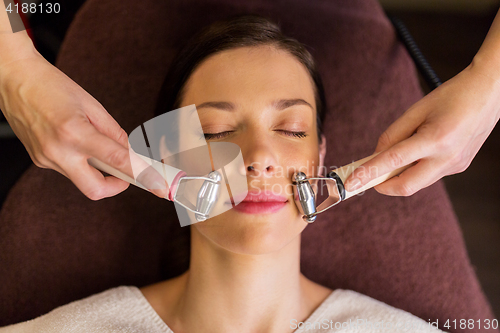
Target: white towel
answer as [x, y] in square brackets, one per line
[126, 310]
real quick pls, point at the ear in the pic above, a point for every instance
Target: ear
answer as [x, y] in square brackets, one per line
[322, 154]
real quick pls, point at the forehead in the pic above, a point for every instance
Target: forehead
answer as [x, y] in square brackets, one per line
[249, 75]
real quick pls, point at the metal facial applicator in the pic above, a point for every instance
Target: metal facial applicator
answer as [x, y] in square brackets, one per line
[207, 194]
[305, 196]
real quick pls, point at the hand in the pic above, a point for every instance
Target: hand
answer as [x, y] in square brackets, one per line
[441, 134]
[61, 126]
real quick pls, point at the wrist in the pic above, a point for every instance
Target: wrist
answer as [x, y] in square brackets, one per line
[487, 63]
[15, 46]
[486, 68]
[487, 59]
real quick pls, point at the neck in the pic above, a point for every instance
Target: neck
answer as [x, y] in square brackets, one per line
[230, 292]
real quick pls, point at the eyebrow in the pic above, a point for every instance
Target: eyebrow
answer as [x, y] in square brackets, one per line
[225, 106]
[278, 105]
[286, 103]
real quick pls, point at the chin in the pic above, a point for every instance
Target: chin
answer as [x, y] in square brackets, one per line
[252, 234]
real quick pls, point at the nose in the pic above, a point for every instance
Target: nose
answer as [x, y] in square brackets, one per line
[251, 168]
[260, 157]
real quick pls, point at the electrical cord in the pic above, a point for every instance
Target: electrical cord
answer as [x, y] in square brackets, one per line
[422, 64]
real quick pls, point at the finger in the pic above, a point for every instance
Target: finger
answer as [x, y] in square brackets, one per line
[106, 124]
[147, 175]
[399, 155]
[92, 183]
[412, 180]
[401, 129]
[115, 155]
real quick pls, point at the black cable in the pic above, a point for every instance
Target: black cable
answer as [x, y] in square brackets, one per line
[423, 66]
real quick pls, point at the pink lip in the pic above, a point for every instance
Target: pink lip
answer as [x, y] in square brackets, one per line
[261, 202]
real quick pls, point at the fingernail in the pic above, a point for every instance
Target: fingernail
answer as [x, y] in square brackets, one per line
[159, 189]
[353, 185]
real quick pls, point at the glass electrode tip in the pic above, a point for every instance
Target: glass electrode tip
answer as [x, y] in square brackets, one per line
[305, 197]
[207, 196]
[309, 219]
[300, 177]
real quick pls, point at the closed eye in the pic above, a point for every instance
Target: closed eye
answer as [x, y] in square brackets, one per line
[221, 135]
[215, 136]
[293, 134]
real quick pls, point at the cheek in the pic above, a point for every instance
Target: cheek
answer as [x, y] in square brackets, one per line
[300, 157]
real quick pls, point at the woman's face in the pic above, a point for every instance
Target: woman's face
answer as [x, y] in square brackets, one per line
[262, 99]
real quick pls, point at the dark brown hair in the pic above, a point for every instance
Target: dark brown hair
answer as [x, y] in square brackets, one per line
[242, 31]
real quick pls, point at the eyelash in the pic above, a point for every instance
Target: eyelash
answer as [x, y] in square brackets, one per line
[212, 136]
[299, 135]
